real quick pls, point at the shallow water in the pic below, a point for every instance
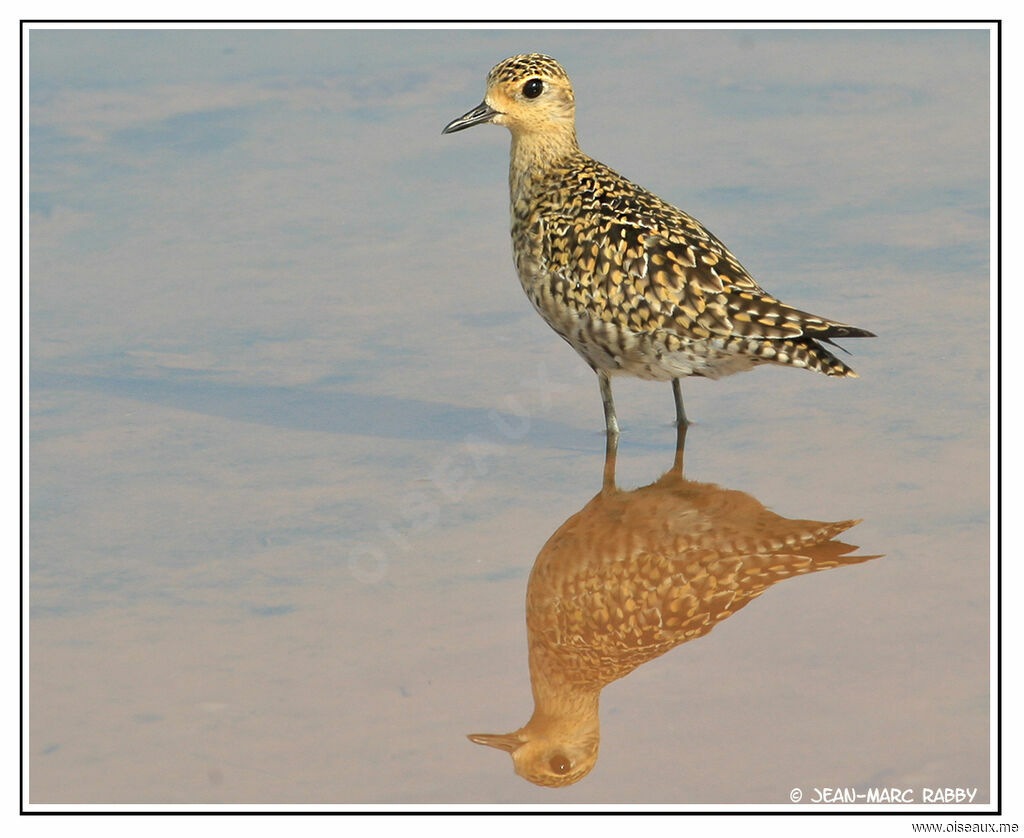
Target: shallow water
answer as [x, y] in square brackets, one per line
[297, 436]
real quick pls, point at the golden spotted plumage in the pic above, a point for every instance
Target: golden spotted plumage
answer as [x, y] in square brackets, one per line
[633, 284]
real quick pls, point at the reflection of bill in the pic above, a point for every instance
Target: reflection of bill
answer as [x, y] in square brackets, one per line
[629, 577]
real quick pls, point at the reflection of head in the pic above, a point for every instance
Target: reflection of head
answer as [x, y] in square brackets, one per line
[549, 753]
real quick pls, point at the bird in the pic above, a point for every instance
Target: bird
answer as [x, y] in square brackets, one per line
[633, 284]
[628, 578]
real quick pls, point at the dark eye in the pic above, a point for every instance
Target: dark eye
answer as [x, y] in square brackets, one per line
[533, 88]
[559, 764]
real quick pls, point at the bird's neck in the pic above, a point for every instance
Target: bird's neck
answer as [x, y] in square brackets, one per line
[534, 154]
[575, 714]
[559, 692]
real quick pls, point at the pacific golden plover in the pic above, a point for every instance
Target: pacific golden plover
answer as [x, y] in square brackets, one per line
[633, 284]
[628, 578]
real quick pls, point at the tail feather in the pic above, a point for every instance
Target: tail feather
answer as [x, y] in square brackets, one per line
[818, 357]
[821, 360]
[800, 352]
[841, 330]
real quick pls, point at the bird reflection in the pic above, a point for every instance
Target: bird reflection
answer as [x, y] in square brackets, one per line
[632, 575]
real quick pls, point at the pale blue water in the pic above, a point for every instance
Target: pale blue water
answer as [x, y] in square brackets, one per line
[297, 435]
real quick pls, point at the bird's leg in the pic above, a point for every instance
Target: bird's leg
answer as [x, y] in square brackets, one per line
[611, 451]
[677, 392]
[611, 424]
[677, 466]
